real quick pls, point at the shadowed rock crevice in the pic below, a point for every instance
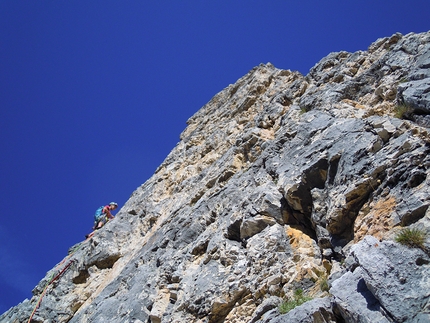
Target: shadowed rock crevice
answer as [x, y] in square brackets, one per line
[316, 176]
[106, 262]
[200, 249]
[297, 220]
[233, 231]
[332, 169]
[82, 277]
[298, 204]
[416, 179]
[341, 226]
[414, 215]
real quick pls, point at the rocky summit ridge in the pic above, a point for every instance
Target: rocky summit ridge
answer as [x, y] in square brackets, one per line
[282, 187]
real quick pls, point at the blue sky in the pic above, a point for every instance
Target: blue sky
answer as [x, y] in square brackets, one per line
[94, 95]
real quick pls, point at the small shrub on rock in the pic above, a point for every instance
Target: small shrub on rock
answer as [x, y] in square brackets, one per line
[412, 237]
[324, 284]
[297, 300]
[402, 111]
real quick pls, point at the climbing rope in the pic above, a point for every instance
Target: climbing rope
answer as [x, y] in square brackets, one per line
[53, 278]
[46, 288]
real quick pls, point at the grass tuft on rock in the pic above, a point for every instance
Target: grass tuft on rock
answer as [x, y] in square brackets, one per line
[412, 237]
[297, 300]
[401, 111]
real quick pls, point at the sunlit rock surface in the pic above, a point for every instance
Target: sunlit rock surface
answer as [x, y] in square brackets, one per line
[282, 182]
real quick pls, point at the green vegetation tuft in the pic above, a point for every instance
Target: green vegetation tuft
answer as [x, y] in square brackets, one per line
[303, 110]
[413, 238]
[402, 110]
[297, 300]
[324, 284]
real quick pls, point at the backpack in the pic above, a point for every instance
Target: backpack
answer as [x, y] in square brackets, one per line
[98, 213]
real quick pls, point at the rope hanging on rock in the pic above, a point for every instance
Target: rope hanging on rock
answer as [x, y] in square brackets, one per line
[46, 288]
[52, 279]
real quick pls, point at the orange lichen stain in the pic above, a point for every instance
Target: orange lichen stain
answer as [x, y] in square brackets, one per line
[298, 239]
[375, 219]
[354, 104]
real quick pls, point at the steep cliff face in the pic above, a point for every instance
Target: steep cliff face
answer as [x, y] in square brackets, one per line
[281, 183]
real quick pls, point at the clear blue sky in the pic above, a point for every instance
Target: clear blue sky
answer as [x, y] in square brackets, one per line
[94, 95]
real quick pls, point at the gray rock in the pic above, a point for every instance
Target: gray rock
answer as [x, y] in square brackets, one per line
[266, 306]
[397, 276]
[272, 187]
[318, 310]
[354, 301]
[416, 94]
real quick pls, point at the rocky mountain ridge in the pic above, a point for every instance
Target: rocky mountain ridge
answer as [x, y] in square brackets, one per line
[281, 183]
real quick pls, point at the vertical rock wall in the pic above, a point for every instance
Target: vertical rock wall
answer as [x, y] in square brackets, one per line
[282, 182]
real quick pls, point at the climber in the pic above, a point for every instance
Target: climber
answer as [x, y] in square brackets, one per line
[102, 216]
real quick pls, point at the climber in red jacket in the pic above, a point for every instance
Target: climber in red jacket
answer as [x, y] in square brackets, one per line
[102, 216]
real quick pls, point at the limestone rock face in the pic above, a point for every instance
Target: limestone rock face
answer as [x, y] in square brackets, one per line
[282, 182]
